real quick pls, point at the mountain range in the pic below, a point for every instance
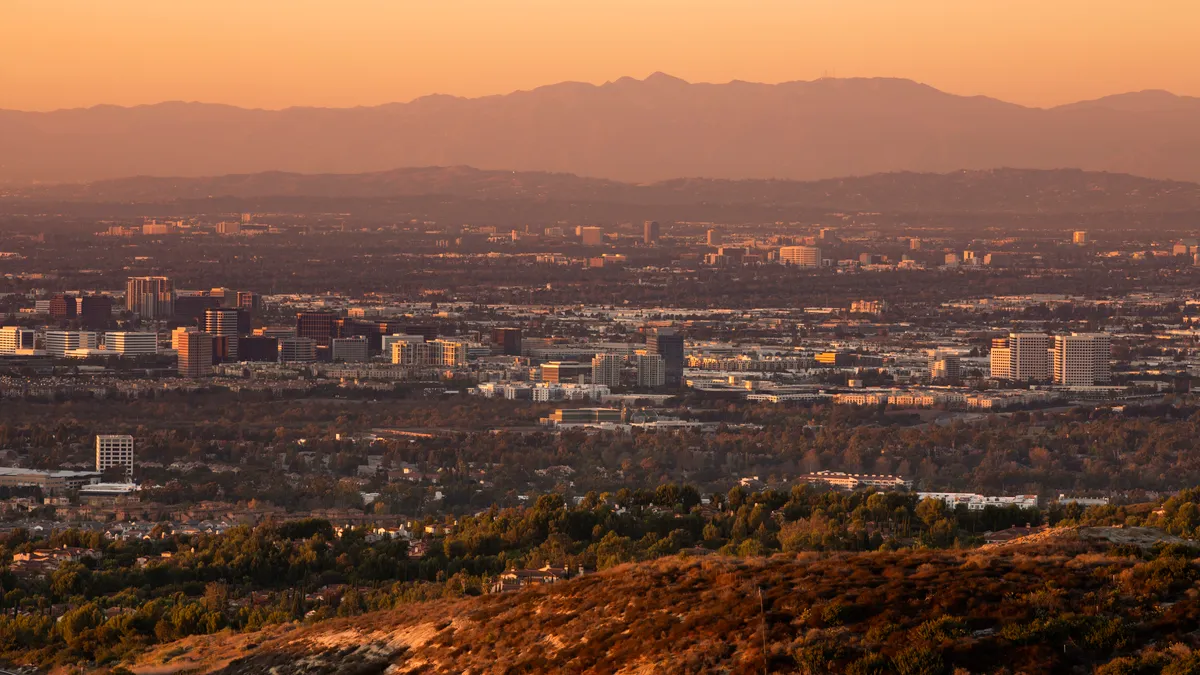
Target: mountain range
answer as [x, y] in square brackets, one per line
[1015, 191]
[628, 130]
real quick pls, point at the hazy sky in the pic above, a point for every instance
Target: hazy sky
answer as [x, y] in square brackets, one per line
[276, 53]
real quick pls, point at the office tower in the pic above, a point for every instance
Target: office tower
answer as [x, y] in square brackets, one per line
[128, 343]
[297, 350]
[651, 370]
[387, 341]
[14, 339]
[1079, 237]
[591, 236]
[63, 306]
[224, 323]
[320, 327]
[914, 244]
[508, 339]
[115, 450]
[350, 349]
[95, 311]
[251, 302]
[156, 228]
[257, 348]
[713, 238]
[229, 228]
[195, 354]
[59, 342]
[1022, 357]
[651, 232]
[1082, 359]
[944, 365]
[667, 343]
[152, 298]
[800, 256]
[606, 369]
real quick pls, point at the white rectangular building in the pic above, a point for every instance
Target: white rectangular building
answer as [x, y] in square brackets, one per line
[606, 369]
[800, 256]
[14, 339]
[115, 450]
[128, 343]
[1082, 359]
[59, 342]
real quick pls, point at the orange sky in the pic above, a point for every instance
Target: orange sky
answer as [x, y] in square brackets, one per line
[276, 53]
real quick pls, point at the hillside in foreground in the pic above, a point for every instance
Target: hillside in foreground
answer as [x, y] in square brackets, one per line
[1080, 600]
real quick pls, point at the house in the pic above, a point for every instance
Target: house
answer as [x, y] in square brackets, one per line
[513, 580]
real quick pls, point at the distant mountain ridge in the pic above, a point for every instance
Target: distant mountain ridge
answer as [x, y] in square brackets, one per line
[629, 130]
[991, 191]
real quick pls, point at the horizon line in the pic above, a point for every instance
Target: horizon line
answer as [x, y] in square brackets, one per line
[655, 76]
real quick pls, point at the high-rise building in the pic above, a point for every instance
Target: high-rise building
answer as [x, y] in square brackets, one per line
[508, 339]
[387, 341]
[591, 236]
[14, 339]
[800, 256]
[152, 298]
[229, 228]
[606, 369]
[225, 323]
[944, 364]
[321, 327]
[1079, 237]
[1082, 359]
[651, 370]
[191, 308]
[651, 231]
[251, 302]
[95, 311]
[668, 343]
[1022, 357]
[63, 306]
[297, 350]
[914, 244]
[713, 238]
[127, 343]
[115, 450]
[59, 342]
[350, 349]
[195, 353]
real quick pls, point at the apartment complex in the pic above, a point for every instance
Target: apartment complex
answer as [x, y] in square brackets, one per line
[606, 369]
[152, 298]
[651, 370]
[435, 353]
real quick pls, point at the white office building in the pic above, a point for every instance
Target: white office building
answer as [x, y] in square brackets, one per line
[349, 350]
[59, 342]
[115, 450]
[14, 339]
[801, 256]
[1082, 359]
[1022, 357]
[128, 343]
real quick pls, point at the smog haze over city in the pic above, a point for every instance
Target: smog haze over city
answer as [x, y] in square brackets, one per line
[535, 337]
